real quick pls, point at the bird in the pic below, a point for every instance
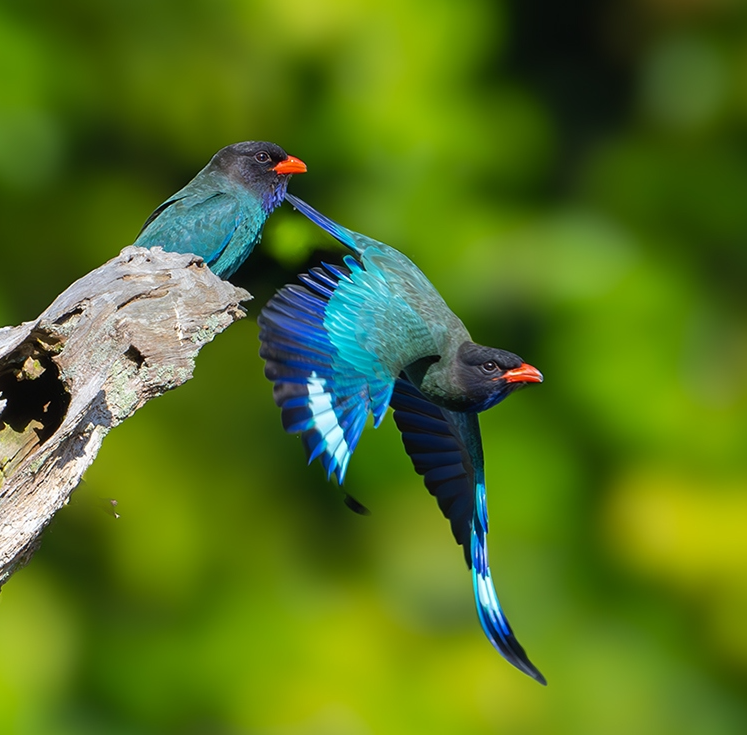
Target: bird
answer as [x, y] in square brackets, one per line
[219, 215]
[355, 339]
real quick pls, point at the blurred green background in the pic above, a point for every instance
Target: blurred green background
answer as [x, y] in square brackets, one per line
[573, 178]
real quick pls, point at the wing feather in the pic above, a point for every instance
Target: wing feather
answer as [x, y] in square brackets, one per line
[194, 223]
[446, 448]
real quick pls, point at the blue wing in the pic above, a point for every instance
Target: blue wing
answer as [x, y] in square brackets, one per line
[326, 382]
[203, 224]
[445, 447]
[334, 348]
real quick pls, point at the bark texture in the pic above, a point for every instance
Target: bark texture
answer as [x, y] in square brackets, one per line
[121, 335]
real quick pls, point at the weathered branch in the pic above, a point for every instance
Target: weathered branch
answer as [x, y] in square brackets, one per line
[121, 335]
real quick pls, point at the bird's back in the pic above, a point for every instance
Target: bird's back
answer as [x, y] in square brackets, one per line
[400, 316]
[210, 217]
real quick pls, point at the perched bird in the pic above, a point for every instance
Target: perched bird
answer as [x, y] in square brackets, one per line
[375, 333]
[219, 215]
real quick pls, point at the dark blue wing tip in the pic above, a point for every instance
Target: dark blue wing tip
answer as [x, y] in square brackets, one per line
[505, 642]
[531, 670]
[521, 661]
[355, 505]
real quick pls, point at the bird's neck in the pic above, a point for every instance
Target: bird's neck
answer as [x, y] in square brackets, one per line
[273, 198]
[435, 380]
[262, 200]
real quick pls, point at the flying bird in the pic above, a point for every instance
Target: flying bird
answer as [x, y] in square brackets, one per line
[354, 340]
[219, 215]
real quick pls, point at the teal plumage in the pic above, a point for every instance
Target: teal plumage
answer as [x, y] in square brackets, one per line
[219, 215]
[356, 339]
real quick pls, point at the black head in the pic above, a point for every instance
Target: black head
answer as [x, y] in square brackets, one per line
[486, 375]
[262, 167]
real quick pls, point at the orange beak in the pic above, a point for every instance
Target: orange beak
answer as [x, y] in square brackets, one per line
[290, 165]
[525, 373]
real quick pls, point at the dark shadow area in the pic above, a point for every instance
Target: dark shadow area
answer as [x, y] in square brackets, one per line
[33, 393]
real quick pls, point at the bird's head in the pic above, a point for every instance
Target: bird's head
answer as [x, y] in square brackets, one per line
[261, 167]
[487, 375]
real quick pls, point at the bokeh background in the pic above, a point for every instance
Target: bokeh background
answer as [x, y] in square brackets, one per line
[573, 178]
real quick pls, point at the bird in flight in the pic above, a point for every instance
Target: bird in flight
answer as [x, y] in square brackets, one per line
[352, 341]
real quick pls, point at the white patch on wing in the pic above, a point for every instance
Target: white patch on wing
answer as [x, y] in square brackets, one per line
[325, 420]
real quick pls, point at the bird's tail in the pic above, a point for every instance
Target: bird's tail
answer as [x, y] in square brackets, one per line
[350, 239]
[322, 395]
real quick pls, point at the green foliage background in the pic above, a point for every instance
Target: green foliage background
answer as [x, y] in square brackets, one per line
[573, 178]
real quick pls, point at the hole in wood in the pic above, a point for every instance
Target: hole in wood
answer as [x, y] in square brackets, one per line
[33, 402]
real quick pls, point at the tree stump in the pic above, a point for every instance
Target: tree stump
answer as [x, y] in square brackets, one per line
[121, 335]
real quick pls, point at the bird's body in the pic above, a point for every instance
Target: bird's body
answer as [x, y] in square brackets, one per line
[377, 333]
[219, 215]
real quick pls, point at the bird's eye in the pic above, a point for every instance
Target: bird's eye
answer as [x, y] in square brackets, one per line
[262, 157]
[490, 366]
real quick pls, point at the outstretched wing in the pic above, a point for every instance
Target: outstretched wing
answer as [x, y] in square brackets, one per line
[335, 347]
[446, 448]
[328, 348]
[193, 223]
